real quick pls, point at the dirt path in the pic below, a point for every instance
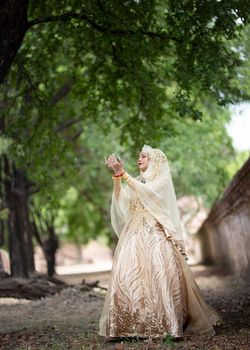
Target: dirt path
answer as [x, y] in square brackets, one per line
[70, 320]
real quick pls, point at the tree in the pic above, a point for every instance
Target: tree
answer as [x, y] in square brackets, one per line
[125, 65]
[45, 235]
[16, 193]
[136, 37]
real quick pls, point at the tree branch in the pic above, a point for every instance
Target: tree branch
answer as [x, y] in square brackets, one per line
[36, 233]
[62, 92]
[120, 32]
[76, 135]
[67, 124]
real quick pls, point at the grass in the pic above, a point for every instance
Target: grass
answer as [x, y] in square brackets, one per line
[168, 341]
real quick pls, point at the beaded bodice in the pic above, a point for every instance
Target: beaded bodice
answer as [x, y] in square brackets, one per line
[136, 206]
[138, 212]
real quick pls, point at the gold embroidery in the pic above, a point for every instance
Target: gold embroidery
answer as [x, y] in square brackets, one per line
[157, 157]
[148, 298]
[136, 207]
[138, 212]
[117, 186]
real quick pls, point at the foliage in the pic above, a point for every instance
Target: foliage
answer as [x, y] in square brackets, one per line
[120, 58]
[91, 74]
[199, 154]
[196, 161]
[235, 164]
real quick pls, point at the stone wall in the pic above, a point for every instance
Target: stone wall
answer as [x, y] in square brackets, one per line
[225, 234]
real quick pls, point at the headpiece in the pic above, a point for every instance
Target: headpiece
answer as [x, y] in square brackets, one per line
[147, 149]
[157, 158]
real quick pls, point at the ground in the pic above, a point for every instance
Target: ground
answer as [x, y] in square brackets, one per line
[69, 320]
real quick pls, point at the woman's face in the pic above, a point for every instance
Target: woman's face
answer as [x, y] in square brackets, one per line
[143, 161]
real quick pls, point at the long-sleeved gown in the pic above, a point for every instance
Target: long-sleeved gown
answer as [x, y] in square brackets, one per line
[151, 292]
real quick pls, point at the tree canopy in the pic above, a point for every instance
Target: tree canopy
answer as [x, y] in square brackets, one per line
[82, 79]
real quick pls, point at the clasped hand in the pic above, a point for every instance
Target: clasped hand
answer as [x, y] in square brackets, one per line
[116, 165]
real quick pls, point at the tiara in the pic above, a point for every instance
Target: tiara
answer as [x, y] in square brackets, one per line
[147, 149]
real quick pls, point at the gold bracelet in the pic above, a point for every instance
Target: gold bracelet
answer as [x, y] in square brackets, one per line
[116, 177]
[125, 176]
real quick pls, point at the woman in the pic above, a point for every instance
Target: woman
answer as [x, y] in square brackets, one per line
[152, 292]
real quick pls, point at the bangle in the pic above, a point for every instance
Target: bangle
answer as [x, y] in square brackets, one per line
[116, 177]
[125, 175]
[119, 175]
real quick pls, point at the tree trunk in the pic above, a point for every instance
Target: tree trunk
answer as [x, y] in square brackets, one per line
[50, 247]
[20, 234]
[3, 273]
[1, 264]
[1, 232]
[13, 26]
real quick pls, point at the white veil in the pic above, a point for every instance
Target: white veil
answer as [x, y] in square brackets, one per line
[157, 195]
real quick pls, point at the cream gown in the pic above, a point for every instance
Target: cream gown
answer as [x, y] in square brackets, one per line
[151, 292]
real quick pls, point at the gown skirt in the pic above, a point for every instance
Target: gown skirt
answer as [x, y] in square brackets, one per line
[152, 292]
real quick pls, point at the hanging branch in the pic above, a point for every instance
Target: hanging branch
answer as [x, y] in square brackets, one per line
[106, 30]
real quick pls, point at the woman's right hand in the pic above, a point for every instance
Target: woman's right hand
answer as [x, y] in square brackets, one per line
[116, 165]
